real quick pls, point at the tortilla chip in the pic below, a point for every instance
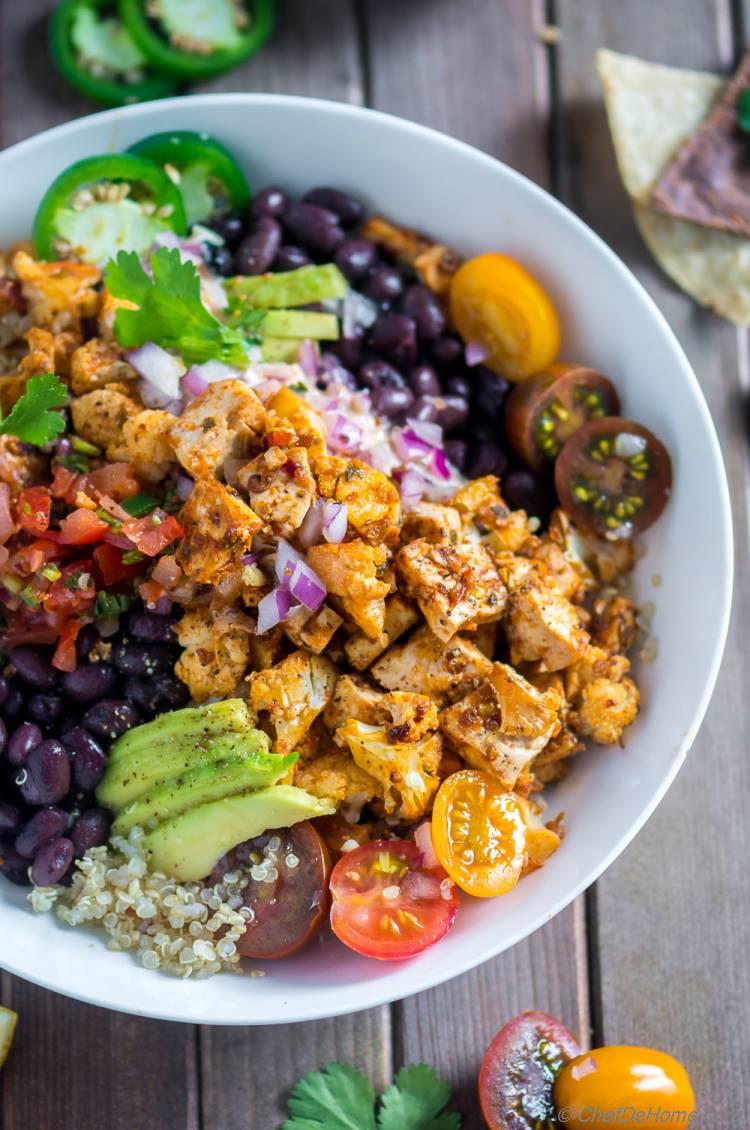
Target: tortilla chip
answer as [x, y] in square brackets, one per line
[652, 110]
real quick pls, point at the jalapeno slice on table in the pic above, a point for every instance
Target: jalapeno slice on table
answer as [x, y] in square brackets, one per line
[102, 205]
[209, 179]
[198, 38]
[96, 53]
[545, 410]
[614, 477]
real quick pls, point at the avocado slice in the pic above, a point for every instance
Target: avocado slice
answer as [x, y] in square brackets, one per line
[282, 289]
[281, 349]
[205, 783]
[301, 324]
[192, 724]
[188, 847]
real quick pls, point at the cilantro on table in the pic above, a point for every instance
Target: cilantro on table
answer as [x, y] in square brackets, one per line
[170, 309]
[341, 1098]
[34, 417]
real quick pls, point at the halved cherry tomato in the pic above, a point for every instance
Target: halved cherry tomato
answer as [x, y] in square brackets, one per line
[65, 658]
[519, 1069]
[33, 509]
[387, 904]
[640, 1080]
[153, 533]
[543, 411]
[82, 527]
[290, 909]
[496, 302]
[614, 477]
[479, 833]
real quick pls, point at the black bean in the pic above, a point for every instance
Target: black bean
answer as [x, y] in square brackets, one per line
[424, 381]
[379, 374]
[45, 709]
[446, 351]
[10, 818]
[522, 490]
[393, 402]
[150, 628]
[257, 252]
[396, 336]
[52, 862]
[349, 210]
[4, 688]
[458, 385]
[3, 737]
[88, 757]
[45, 825]
[110, 718]
[424, 408]
[269, 201]
[290, 258]
[229, 226]
[219, 258]
[424, 307]
[349, 349]
[45, 778]
[355, 257]
[164, 692]
[14, 706]
[91, 829]
[453, 411]
[136, 658]
[314, 227]
[89, 682]
[12, 865]
[21, 743]
[487, 459]
[490, 391]
[87, 638]
[456, 452]
[34, 666]
[384, 285]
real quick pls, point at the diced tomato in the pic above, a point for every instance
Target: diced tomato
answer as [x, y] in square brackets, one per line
[65, 658]
[82, 527]
[33, 509]
[74, 592]
[151, 535]
[109, 567]
[115, 479]
[30, 559]
[151, 592]
[63, 482]
[167, 572]
[7, 526]
[31, 625]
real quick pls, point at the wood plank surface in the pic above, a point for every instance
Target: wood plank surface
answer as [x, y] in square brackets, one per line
[673, 914]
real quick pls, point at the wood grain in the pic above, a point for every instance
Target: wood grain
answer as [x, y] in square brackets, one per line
[673, 910]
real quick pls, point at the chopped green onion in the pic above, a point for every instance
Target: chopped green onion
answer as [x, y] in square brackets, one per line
[84, 446]
[109, 605]
[29, 597]
[108, 518]
[52, 572]
[132, 557]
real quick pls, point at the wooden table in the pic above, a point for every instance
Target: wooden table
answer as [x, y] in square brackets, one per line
[657, 952]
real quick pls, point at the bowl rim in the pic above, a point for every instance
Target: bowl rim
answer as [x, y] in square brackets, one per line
[424, 978]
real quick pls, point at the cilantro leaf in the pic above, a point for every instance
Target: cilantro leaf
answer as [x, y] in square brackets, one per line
[33, 418]
[337, 1098]
[170, 309]
[249, 320]
[415, 1100]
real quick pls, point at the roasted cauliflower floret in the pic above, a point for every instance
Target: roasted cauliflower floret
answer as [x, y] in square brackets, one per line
[226, 421]
[411, 716]
[146, 445]
[542, 840]
[337, 777]
[604, 699]
[503, 724]
[305, 421]
[353, 697]
[97, 363]
[219, 528]
[292, 695]
[407, 772]
[541, 625]
[48, 352]
[100, 417]
[613, 624]
[400, 615]
[553, 762]
[58, 294]
[312, 630]
[280, 487]
[216, 651]
[352, 572]
[433, 522]
[481, 505]
[372, 500]
[428, 665]
[455, 586]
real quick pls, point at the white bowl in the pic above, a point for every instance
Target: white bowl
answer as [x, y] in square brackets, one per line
[476, 204]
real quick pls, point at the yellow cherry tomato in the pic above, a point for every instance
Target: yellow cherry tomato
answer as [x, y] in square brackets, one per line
[496, 302]
[478, 833]
[651, 1083]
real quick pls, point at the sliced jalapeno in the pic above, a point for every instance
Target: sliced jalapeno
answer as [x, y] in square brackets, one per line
[197, 38]
[102, 205]
[207, 175]
[96, 53]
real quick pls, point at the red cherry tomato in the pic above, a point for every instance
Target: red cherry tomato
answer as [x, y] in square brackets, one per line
[33, 509]
[519, 1069]
[387, 904]
[153, 533]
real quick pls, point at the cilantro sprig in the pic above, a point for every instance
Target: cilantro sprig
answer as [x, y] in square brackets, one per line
[170, 309]
[35, 418]
[340, 1098]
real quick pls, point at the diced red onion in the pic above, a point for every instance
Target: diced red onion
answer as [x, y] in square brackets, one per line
[336, 517]
[269, 388]
[333, 368]
[429, 432]
[311, 531]
[6, 518]
[113, 508]
[439, 464]
[475, 353]
[419, 886]
[411, 487]
[308, 359]
[160, 372]
[211, 371]
[423, 840]
[193, 383]
[64, 446]
[184, 487]
[250, 558]
[163, 606]
[287, 560]
[408, 445]
[190, 252]
[307, 587]
[118, 540]
[381, 457]
[343, 434]
[273, 608]
[166, 571]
